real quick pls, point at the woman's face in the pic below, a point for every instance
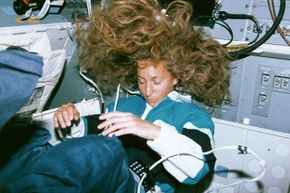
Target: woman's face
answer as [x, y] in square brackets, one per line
[154, 80]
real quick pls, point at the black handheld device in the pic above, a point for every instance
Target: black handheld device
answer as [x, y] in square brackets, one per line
[90, 128]
[140, 168]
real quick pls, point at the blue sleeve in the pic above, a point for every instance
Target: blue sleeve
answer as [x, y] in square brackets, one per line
[19, 73]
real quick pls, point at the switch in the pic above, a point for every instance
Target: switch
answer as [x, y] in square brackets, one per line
[262, 100]
[285, 83]
[277, 81]
[265, 80]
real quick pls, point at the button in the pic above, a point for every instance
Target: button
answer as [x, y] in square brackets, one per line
[285, 83]
[277, 81]
[262, 99]
[265, 79]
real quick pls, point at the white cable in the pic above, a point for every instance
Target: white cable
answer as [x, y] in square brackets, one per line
[100, 93]
[117, 97]
[43, 11]
[115, 104]
[103, 4]
[137, 92]
[242, 149]
[94, 84]
[118, 94]
[26, 15]
[89, 7]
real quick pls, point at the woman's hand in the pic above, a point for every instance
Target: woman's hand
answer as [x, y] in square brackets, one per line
[120, 123]
[65, 115]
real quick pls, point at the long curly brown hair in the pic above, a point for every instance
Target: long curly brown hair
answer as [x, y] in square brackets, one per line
[127, 31]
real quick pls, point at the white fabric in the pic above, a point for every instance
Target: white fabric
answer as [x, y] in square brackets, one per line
[175, 96]
[37, 42]
[147, 110]
[53, 64]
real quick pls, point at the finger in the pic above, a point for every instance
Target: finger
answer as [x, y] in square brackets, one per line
[116, 127]
[64, 117]
[69, 111]
[120, 132]
[103, 125]
[76, 114]
[114, 121]
[115, 117]
[68, 116]
[108, 131]
[110, 115]
[72, 111]
[59, 120]
[55, 120]
[65, 114]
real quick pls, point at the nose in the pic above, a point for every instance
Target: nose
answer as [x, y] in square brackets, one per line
[148, 89]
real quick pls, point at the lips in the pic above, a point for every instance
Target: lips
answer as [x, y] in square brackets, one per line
[151, 101]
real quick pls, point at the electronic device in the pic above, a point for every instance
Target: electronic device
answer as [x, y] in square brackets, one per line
[85, 108]
[87, 125]
[140, 168]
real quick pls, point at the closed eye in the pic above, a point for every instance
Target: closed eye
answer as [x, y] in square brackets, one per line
[140, 81]
[157, 82]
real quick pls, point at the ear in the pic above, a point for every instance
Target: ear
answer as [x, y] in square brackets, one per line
[175, 81]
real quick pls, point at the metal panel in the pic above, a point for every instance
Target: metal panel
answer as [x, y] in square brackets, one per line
[271, 146]
[248, 90]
